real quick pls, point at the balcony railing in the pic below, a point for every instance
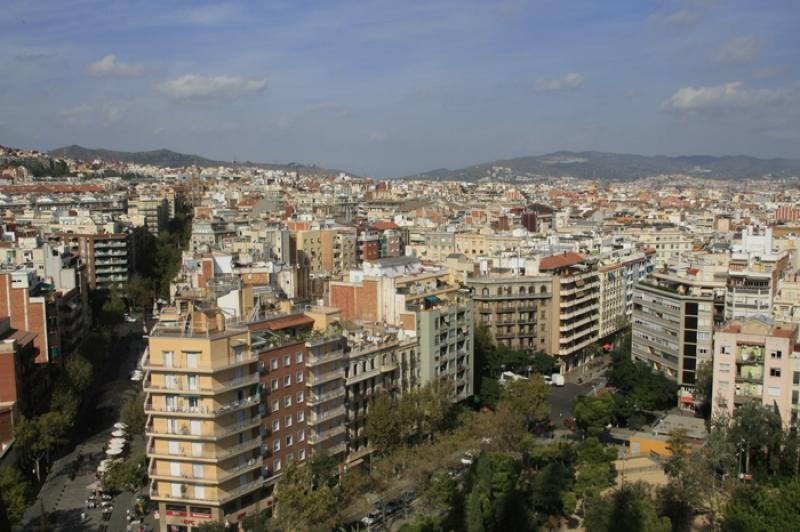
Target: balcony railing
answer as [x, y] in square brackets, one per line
[314, 379]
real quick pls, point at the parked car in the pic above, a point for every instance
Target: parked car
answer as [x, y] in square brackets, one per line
[371, 518]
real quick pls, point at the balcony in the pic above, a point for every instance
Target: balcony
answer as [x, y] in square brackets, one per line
[184, 433]
[317, 438]
[313, 361]
[314, 399]
[317, 379]
[247, 358]
[585, 299]
[315, 418]
[364, 375]
[241, 490]
[203, 411]
[389, 366]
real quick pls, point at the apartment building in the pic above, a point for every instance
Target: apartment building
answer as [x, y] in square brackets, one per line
[209, 235]
[786, 305]
[372, 369]
[755, 361]
[516, 309]
[672, 328]
[666, 241]
[752, 283]
[108, 257]
[576, 300]
[619, 274]
[203, 407]
[445, 332]
[438, 245]
[23, 383]
[149, 211]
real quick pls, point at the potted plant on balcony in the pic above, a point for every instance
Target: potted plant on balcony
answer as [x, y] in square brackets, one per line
[184, 489]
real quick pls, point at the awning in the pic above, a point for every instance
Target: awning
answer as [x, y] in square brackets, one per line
[432, 299]
[687, 399]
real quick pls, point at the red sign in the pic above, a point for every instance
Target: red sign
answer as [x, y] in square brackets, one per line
[204, 516]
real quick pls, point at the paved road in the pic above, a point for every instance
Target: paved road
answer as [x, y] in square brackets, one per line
[63, 498]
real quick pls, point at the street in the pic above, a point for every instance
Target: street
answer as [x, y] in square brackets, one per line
[63, 498]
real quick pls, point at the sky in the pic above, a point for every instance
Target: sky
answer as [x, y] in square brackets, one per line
[392, 88]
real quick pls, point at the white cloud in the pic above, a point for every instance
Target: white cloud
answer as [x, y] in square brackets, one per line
[212, 14]
[111, 66]
[571, 81]
[741, 50]
[76, 112]
[682, 17]
[733, 95]
[112, 112]
[193, 86]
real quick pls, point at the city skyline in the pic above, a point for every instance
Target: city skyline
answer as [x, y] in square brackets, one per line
[388, 90]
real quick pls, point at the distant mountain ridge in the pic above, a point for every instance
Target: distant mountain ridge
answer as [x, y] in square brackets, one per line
[618, 166]
[171, 158]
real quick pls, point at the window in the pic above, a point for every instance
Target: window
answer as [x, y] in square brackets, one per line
[777, 355]
[289, 458]
[298, 377]
[275, 405]
[774, 372]
[795, 396]
[287, 400]
[199, 492]
[300, 397]
[192, 359]
[169, 359]
[287, 361]
[301, 416]
[723, 385]
[287, 380]
[301, 455]
[298, 357]
[289, 440]
[301, 436]
[273, 364]
[276, 445]
[774, 391]
[276, 465]
[287, 421]
[724, 368]
[274, 384]
[276, 425]
[726, 350]
[796, 378]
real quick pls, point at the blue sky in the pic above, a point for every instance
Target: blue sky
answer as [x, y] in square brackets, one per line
[389, 88]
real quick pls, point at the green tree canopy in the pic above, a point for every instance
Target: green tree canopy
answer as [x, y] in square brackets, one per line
[15, 494]
[528, 398]
[593, 414]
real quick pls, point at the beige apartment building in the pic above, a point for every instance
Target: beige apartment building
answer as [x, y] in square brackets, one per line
[517, 310]
[203, 419]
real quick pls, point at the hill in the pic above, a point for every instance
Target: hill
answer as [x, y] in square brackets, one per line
[170, 158]
[617, 166]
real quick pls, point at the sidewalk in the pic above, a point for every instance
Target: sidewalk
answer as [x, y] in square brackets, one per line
[64, 498]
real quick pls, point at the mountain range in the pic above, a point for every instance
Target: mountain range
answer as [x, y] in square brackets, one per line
[585, 164]
[169, 158]
[617, 166]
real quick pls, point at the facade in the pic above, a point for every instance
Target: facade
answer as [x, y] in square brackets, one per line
[754, 361]
[203, 408]
[153, 212]
[752, 284]
[517, 310]
[619, 276]
[577, 303]
[445, 329]
[108, 257]
[672, 328]
[325, 383]
[23, 386]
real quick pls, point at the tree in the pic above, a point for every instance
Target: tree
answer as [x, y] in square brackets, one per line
[441, 491]
[703, 384]
[140, 290]
[65, 401]
[490, 391]
[40, 435]
[528, 398]
[763, 508]
[324, 469]
[758, 431]
[128, 475]
[435, 401]
[14, 494]
[678, 447]
[300, 506]
[383, 425]
[630, 508]
[547, 490]
[593, 414]
[474, 511]
[79, 372]
[113, 310]
[132, 414]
